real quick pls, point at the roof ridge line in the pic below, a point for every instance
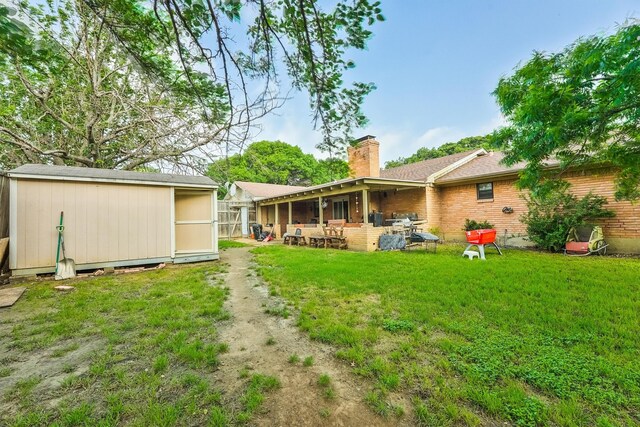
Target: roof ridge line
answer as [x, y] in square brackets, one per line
[406, 165]
[455, 165]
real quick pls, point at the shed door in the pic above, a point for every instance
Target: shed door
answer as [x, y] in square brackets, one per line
[194, 222]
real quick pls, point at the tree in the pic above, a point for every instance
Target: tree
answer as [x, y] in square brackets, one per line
[71, 96]
[330, 169]
[424, 153]
[276, 162]
[580, 106]
[292, 36]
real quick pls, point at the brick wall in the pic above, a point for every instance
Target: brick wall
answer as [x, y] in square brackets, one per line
[434, 207]
[404, 201]
[459, 202]
[626, 223]
[359, 238]
[364, 160]
[302, 212]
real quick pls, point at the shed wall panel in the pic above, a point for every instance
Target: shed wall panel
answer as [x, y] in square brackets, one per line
[193, 207]
[193, 237]
[103, 222]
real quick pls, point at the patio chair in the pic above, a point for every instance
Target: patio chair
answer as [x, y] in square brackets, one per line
[337, 239]
[298, 238]
[586, 240]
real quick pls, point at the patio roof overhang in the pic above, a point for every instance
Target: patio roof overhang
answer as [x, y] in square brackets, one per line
[344, 186]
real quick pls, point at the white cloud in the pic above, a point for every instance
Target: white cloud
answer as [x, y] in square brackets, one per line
[396, 144]
[437, 136]
[493, 124]
[290, 129]
[403, 143]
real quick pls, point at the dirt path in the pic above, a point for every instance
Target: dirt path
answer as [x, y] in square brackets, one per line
[300, 401]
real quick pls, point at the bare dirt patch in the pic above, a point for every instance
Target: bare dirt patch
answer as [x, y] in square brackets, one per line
[50, 368]
[265, 343]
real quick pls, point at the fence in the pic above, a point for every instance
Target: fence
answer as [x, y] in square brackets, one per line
[230, 218]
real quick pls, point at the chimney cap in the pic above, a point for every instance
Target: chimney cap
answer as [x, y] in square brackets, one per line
[364, 138]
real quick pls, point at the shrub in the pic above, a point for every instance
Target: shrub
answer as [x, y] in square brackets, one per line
[470, 224]
[551, 214]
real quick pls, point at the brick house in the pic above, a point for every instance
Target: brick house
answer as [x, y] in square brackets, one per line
[443, 191]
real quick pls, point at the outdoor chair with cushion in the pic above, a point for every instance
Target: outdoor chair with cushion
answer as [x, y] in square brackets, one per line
[295, 239]
[298, 238]
[586, 240]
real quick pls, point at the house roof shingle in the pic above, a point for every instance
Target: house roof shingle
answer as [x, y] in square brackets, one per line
[71, 173]
[487, 165]
[262, 190]
[420, 171]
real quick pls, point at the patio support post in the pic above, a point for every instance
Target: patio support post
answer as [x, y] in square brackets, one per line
[290, 221]
[320, 211]
[365, 206]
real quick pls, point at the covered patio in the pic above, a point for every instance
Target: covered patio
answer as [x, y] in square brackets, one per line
[365, 204]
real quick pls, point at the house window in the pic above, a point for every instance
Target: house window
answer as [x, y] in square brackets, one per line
[485, 191]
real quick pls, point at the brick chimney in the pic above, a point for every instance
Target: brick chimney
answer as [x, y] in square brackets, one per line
[364, 158]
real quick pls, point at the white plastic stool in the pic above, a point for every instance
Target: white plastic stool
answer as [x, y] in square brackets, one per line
[471, 254]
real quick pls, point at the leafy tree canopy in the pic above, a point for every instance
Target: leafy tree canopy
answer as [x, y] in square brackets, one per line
[69, 94]
[580, 106]
[246, 45]
[424, 153]
[276, 162]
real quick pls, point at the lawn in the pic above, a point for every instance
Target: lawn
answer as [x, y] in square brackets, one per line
[135, 349]
[227, 244]
[527, 338]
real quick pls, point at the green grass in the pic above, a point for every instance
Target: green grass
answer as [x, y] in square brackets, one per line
[294, 358]
[149, 345]
[254, 394]
[324, 381]
[526, 338]
[226, 244]
[278, 312]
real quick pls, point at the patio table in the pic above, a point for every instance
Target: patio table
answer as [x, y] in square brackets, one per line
[317, 240]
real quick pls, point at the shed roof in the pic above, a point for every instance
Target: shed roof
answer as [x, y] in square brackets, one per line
[420, 171]
[262, 190]
[73, 173]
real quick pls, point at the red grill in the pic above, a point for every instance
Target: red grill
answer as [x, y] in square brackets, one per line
[481, 237]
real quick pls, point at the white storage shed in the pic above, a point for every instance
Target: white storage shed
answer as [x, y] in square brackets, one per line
[111, 217]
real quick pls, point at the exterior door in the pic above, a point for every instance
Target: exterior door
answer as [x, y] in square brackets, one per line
[194, 222]
[341, 209]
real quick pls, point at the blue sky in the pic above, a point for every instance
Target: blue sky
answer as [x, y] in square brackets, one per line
[435, 64]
